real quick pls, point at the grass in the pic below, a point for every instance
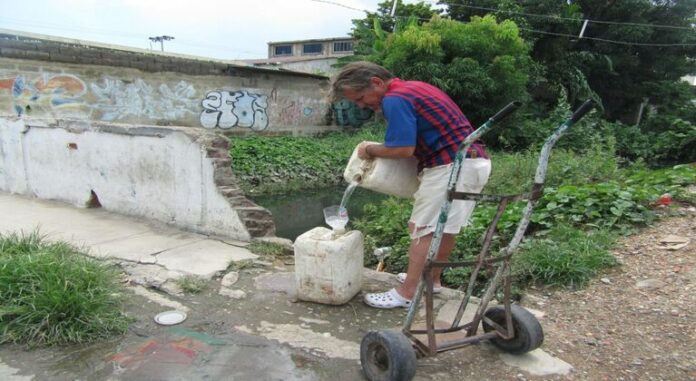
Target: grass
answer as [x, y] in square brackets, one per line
[51, 294]
[192, 284]
[240, 265]
[566, 256]
[267, 249]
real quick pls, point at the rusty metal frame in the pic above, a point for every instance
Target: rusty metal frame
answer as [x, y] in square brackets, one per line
[485, 258]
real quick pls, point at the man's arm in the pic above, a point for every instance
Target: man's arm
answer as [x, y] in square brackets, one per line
[368, 151]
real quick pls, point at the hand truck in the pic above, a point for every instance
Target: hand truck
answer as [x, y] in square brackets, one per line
[390, 354]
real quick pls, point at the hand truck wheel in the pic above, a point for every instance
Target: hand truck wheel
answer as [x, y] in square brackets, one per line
[528, 332]
[387, 356]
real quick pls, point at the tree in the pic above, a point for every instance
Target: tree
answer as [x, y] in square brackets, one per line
[618, 57]
[482, 65]
[366, 31]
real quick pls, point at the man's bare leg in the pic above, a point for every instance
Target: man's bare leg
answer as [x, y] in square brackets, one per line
[417, 253]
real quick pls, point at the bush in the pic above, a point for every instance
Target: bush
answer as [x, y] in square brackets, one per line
[386, 224]
[52, 294]
[610, 206]
[667, 133]
[565, 256]
[514, 172]
[267, 165]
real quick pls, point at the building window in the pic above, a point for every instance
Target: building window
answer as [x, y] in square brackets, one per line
[344, 46]
[311, 48]
[282, 50]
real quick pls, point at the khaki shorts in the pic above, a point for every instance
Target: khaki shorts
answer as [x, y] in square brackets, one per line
[432, 192]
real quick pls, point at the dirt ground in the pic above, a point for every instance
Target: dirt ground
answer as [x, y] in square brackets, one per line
[636, 321]
[633, 322]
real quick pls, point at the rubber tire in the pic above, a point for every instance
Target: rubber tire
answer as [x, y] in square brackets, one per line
[528, 332]
[387, 356]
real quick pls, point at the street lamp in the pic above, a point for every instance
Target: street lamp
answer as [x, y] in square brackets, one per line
[161, 40]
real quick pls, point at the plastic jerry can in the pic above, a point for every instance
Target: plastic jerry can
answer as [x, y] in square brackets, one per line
[395, 177]
[328, 266]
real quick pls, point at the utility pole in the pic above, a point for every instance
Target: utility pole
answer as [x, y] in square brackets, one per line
[393, 11]
[393, 8]
[161, 40]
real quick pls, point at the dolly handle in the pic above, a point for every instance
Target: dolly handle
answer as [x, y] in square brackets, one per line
[582, 110]
[507, 110]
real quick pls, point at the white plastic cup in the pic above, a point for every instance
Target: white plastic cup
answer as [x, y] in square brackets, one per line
[336, 217]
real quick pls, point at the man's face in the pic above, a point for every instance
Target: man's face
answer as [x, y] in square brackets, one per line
[370, 97]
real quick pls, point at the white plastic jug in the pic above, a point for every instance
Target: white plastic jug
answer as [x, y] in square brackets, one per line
[328, 266]
[396, 177]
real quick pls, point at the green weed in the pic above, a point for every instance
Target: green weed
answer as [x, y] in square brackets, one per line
[240, 265]
[566, 256]
[267, 165]
[50, 294]
[267, 249]
[192, 284]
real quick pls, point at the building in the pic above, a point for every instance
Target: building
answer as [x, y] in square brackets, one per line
[310, 56]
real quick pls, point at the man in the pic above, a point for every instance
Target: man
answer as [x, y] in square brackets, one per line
[422, 121]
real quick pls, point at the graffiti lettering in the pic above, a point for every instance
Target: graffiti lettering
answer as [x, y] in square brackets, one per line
[226, 109]
[119, 100]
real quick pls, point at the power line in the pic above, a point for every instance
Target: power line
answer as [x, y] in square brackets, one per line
[573, 36]
[628, 43]
[603, 39]
[562, 18]
[339, 5]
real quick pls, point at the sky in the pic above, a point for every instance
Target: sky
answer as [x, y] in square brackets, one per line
[222, 29]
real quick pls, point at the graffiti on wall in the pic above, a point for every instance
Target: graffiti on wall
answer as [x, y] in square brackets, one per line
[117, 99]
[227, 109]
[48, 91]
[114, 99]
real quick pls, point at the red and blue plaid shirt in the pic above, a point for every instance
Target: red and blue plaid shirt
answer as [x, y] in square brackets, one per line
[421, 115]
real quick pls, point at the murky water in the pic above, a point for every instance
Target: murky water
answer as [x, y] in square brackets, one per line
[299, 212]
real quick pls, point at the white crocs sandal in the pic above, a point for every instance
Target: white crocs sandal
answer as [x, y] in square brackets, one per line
[401, 277]
[389, 299]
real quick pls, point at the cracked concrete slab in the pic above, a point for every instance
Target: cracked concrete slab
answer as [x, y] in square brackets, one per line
[103, 234]
[143, 248]
[218, 255]
[159, 299]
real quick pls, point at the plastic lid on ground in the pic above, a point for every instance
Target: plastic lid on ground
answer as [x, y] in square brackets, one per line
[170, 317]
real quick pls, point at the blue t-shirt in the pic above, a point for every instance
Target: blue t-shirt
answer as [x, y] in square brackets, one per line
[422, 116]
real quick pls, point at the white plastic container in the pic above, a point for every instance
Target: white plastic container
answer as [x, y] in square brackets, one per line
[396, 177]
[328, 266]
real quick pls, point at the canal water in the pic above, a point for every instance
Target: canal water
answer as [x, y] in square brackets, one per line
[296, 213]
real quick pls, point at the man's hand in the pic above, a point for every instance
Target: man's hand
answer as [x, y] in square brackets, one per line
[368, 151]
[362, 151]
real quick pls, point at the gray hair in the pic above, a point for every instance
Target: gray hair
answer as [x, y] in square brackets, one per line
[356, 76]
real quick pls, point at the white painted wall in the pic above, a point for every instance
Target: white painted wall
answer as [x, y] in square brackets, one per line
[145, 171]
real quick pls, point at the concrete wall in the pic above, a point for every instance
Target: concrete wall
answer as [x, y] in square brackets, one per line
[57, 78]
[178, 176]
[139, 132]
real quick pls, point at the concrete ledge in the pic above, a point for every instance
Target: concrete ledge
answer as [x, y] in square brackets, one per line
[179, 176]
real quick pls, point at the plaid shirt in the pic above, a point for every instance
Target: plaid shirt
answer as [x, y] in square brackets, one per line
[421, 115]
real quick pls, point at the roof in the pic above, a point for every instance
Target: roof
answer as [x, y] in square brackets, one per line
[311, 40]
[288, 59]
